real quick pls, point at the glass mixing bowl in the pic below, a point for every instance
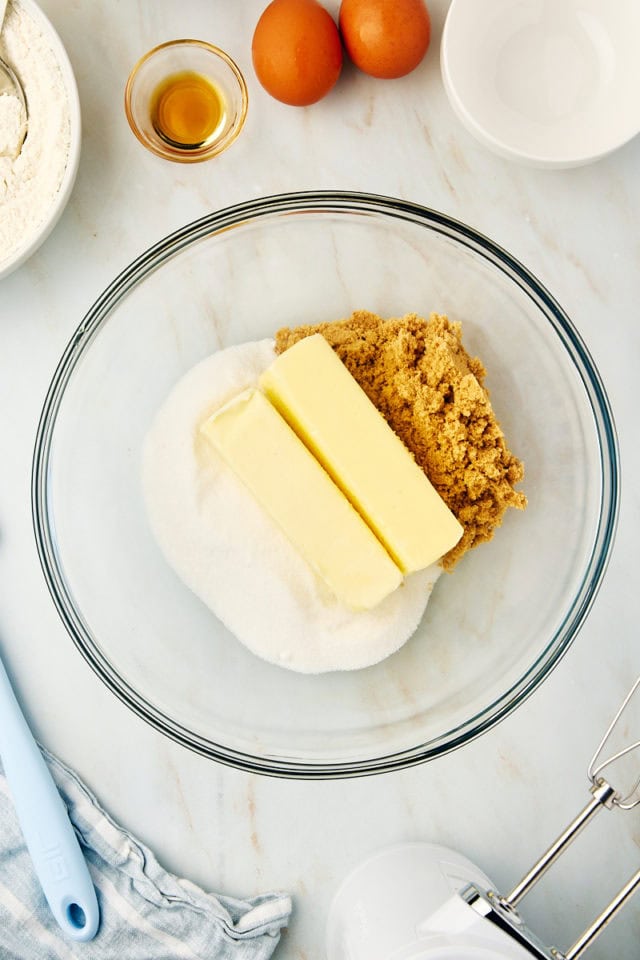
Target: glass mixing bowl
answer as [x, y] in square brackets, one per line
[494, 628]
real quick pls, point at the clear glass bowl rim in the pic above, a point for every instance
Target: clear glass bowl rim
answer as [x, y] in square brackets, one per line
[318, 202]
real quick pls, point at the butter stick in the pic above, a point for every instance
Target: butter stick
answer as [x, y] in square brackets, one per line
[298, 494]
[317, 396]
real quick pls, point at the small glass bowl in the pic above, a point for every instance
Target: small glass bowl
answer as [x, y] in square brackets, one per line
[173, 58]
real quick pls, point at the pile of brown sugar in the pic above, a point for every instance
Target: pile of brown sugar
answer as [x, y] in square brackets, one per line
[430, 391]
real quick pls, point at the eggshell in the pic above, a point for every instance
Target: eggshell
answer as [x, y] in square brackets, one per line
[385, 38]
[296, 50]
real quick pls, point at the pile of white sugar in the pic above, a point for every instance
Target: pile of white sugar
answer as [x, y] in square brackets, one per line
[29, 183]
[228, 550]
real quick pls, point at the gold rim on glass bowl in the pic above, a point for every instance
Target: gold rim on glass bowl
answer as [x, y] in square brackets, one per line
[203, 70]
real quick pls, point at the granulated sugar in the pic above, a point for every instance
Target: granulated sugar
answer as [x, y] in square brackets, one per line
[30, 182]
[227, 549]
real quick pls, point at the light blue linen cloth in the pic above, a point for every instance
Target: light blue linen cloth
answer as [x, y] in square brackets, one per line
[146, 913]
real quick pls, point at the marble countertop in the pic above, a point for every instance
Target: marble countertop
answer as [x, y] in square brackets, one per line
[500, 799]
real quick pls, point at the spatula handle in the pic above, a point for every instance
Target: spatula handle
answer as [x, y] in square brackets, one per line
[47, 830]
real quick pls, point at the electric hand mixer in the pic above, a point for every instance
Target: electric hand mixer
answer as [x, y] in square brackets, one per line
[419, 901]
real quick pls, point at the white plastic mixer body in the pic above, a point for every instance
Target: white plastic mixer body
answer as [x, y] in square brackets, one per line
[403, 903]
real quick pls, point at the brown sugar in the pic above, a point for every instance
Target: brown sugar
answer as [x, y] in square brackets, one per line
[431, 392]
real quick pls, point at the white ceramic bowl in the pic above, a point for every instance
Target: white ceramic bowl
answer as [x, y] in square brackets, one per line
[551, 83]
[35, 236]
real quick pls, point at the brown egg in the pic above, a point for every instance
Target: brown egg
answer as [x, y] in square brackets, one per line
[297, 53]
[385, 38]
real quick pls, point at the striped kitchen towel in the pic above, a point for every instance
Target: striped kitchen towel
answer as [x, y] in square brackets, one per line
[146, 913]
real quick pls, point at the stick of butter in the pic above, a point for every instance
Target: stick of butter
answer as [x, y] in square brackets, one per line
[298, 494]
[317, 396]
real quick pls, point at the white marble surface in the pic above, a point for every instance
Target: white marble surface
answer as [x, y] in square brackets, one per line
[500, 799]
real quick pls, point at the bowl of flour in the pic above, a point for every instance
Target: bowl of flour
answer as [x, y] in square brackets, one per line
[35, 181]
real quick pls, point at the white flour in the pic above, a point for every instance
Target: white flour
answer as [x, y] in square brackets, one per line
[10, 124]
[30, 182]
[227, 549]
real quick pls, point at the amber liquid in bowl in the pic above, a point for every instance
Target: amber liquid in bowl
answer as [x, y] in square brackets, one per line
[187, 110]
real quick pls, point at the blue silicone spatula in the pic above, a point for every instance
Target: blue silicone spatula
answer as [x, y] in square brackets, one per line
[50, 838]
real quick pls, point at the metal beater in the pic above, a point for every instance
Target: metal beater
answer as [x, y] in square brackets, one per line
[419, 901]
[501, 910]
